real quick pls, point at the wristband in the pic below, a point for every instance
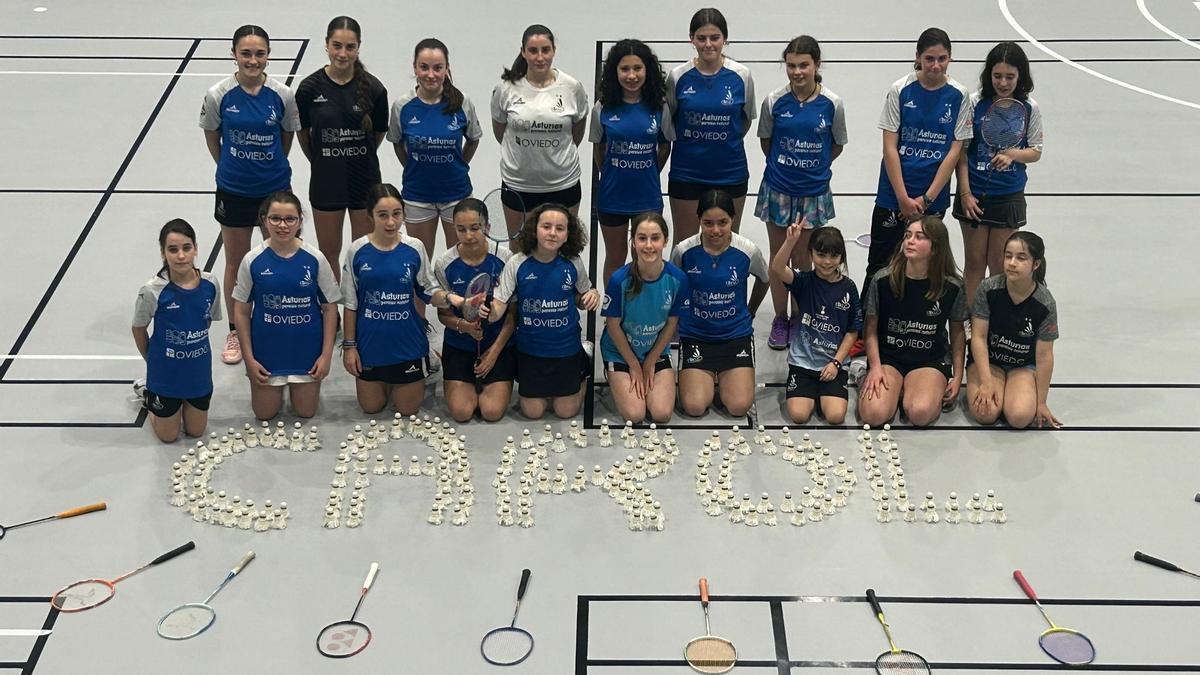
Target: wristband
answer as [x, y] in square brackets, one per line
[346, 344]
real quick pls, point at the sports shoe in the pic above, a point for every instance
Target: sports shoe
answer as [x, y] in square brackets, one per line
[779, 333]
[857, 349]
[588, 347]
[139, 392]
[232, 354]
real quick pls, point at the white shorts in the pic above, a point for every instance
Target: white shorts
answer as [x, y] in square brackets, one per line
[281, 380]
[420, 212]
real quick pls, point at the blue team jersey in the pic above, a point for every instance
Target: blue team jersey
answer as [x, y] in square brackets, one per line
[435, 170]
[826, 313]
[453, 274]
[802, 135]
[979, 156]
[927, 123]
[252, 161]
[718, 305]
[710, 114]
[286, 327]
[629, 176]
[179, 360]
[380, 287]
[643, 315]
[544, 293]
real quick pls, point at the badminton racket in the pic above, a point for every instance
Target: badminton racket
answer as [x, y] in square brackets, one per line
[89, 593]
[1001, 127]
[478, 292]
[895, 660]
[343, 639]
[709, 653]
[1159, 562]
[193, 618]
[1061, 644]
[79, 511]
[504, 207]
[509, 645]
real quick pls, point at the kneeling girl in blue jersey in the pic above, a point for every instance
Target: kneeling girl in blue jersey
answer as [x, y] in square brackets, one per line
[286, 313]
[642, 305]
[545, 283]
[182, 301]
[827, 322]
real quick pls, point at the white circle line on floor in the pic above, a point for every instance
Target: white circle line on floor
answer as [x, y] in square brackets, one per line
[1141, 4]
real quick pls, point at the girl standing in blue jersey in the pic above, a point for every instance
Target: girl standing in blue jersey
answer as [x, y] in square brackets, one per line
[545, 283]
[716, 334]
[248, 121]
[343, 117]
[479, 363]
[285, 312]
[631, 143]
[1014, 323]
[642, 305]
[802, 128]
[435, 132]
[711, 100]
[990, 203]
[828, 320]
[182, 301]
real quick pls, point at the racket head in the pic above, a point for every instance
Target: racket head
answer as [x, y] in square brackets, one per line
[83, 595]
[475, 294]
[1003, 124]
[496, 202]
[506, 646]
[343, 639]
[1067, 646]
[710, 654]
[901, 662]
[186, 621]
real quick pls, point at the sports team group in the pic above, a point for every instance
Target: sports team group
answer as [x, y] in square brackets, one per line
[921, 325]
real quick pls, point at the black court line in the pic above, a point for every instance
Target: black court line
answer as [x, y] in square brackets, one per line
[722, 426]
[910, 41]
[99, 191]
[779, 632]
[134, 191]
[101, 57]
[589, 396]
[74, 425]
[26, 667]
[901, 600]
[1066, 385]
[68, 382]
[155, 37]
[1134, 59]
[581, 635]
[962, 665]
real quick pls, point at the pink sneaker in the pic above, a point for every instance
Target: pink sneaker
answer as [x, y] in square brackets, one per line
[779, 333]
[232, 354]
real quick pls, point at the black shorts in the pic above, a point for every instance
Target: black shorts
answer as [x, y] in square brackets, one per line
[459, 365]
[1000, 211]
[233, 210]
[528, 201]
[805, 383]
[165, 406]
[663, 363]
[405, 372]
[717, 357]
[678, 189]
[619, 219]
[887, 231]
[548, 377]
[944, 367]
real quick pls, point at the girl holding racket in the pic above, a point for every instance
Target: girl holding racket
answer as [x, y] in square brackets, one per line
[285, 311]
[248, 121]
[479, 363]
[343, 117]
[546, 284]
[1014, 323]
[538, 116]
[435, 132]
[716, 333]
[907, 307]
[642, 305]
[991, 184]
[182, 301]
[828, 320]
[631, 144]
[802, 128]
[711, 100]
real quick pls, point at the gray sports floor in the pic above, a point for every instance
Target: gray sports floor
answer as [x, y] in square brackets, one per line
[99, 113]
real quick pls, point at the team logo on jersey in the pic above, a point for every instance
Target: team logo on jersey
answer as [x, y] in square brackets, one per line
[531, 277]
[1027, 331]
[694, 270]
[519, 101]
[653, 126]
[695, 357]
[173, 305]
[947, 116]
[273, 118]
[414, 120]
[307, 279]
[822, 124]
[266, 272]
[728, 99]
[844, 303]
[786, 115]
[366, 267]
[936, 310]
[687, 91]
[910, 104]
[791, 383]
[454, 124]
[320, 99]
[821, 314]
[615, 118]
[733, 278]
[558, 104]
[568, 281]
[607, 301]
[232, 109]
[458, 281]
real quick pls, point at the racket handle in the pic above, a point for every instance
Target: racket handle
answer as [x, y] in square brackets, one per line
[1020, 579]
[171, 554]
[525, 574]
[1157, 562]
[371, 576]
[245, 561]
[874, 602]
[80, 510]
[1198, 496]
[704, 591]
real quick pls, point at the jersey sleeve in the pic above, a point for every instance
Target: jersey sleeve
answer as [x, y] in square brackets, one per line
[474, 131]
[1034, 134]
[889, 117]
[440, 264]
[291, 113]
[856, 312]
[214, 312]
[595, 129]
[426, 282]
[839, 122]
[583, 283]
[499, 109]
[672, 101]
[304, 102]
[748, 108]
[963, 127]
[614, 295]
[666, 130]
[379, 109]
[245, 282]
[581, 103]
[210, 110]
[394, 128]
[871, 299]
[508, 279]
[766, 121]
[144, 306]
[758, 265]
[979, 304]
[1048, 328]
[679, 303]
[349, 279]
[327, 285]
[958, 311]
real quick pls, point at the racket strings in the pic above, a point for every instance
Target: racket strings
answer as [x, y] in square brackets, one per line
[186, 621]
[1003, 125]
[1067, 646]
[710, 655]
[901, 663]
[505, 646]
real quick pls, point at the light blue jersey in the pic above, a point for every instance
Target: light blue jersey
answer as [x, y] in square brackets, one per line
[643, 315]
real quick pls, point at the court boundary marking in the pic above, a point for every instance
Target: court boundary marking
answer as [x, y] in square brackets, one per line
[1141, 5]
[26, 667]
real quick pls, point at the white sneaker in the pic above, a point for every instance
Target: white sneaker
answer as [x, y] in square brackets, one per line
[588, 348]
[232, 354]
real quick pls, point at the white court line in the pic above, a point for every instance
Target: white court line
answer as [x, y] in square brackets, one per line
[1157, 24]
[98, 72]
[1132, 87]
[71, 357]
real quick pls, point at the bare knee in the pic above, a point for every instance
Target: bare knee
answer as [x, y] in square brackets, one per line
[491, 412]
[921, 414]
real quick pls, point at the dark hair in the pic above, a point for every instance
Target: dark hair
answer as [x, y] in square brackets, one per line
[279, 197]
[174, 226]
[804, 44]
[1037, 251]
[635, 279]
[380, 191]
[362, 83]
[472, 204]
[519, 65]
[1009, 53]
[709, 16]
[718, 199]
[249, 30]
[654, 91]
[932, 37]
[941, 260]
[829, 240]
[451, 95]
[571, 248]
